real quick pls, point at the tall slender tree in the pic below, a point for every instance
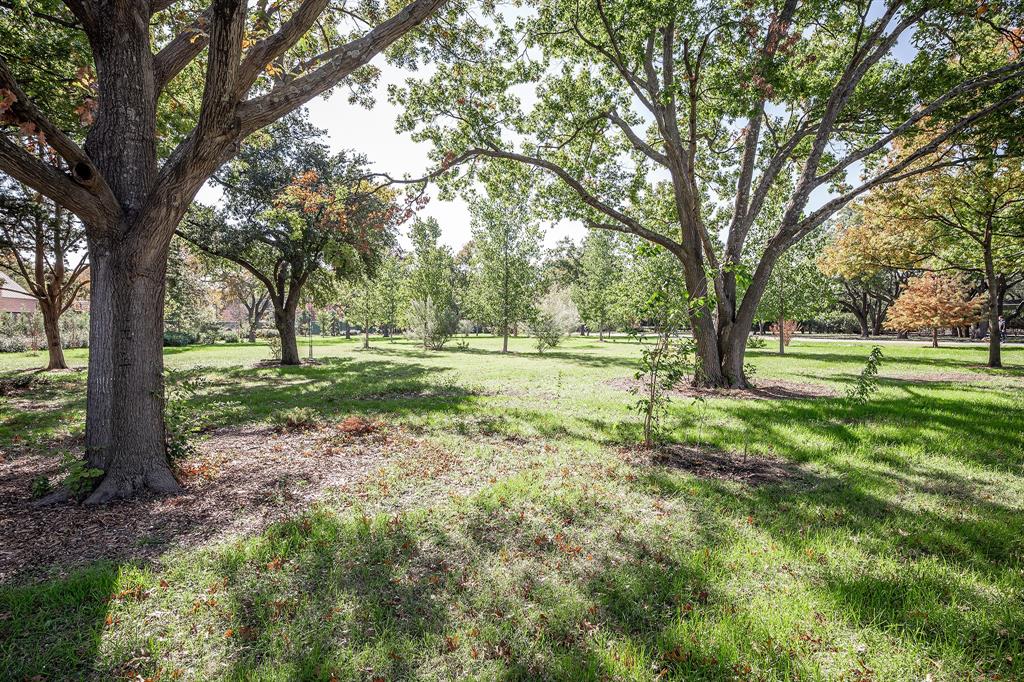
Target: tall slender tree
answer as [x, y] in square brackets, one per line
[594, 293]
[506, 247]
[431, 309]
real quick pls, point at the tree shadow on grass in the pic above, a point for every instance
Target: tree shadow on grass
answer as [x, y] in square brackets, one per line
[51, 629]
[333, 388]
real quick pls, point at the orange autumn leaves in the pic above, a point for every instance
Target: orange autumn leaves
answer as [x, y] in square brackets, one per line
[934, 300]
[352, 211]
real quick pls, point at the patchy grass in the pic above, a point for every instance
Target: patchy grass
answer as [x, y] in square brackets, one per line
[517, 535]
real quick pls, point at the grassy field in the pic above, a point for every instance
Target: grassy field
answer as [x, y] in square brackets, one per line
[887, 543]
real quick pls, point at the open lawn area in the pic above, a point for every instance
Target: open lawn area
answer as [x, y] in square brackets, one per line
[467, 514]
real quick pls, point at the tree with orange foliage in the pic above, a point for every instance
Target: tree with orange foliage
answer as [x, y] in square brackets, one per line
[297, 218]
[931, 301]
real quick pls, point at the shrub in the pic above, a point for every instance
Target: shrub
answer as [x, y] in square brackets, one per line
[230, 336]
[556, 316]
[79, 477]
[177, 339]
[756, 342]
[40, 487]
[432, 323]
[295, 418]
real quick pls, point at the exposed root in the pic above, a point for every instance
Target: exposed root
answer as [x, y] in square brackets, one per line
[160, 480]
[56, 497]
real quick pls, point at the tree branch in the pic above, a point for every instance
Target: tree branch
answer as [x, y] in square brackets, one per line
[340, 62]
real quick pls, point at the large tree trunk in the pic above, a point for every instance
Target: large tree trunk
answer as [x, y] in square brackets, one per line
[935, 337]
[366, 337]
[284, 320]
[51, 325]
[125, 426]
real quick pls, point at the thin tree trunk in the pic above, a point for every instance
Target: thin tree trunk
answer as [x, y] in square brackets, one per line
[51, 325]
[504, 339]
[994, 351]
[366, 337]
[935, 337]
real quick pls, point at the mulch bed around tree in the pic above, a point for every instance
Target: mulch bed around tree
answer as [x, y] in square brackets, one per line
[243, 480]
[767, 389]
[752, 470]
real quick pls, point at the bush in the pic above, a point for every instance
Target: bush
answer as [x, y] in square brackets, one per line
[230, 336]
[40, 487]
[756, 342]
[14, 344]
[177, 339]
[79, 477]
[789, 328]
[556, 316]
[24, 332]
[433, 324]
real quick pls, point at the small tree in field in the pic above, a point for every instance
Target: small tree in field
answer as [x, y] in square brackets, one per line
[932, 301]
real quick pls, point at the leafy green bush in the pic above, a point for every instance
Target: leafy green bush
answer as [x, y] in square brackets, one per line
[79, 478]
[756, 342]
[177, 339]
[40, 487]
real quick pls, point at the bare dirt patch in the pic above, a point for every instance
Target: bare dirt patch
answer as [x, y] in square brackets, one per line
[767, 389]
[243, 480]
[752, 470]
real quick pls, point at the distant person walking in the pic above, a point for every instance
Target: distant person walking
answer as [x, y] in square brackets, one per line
[1002, 328]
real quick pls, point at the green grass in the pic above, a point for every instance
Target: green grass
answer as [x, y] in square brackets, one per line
[549, 552]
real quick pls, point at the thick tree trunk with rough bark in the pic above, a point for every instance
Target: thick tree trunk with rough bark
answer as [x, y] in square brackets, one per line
[130, 204]
[284, 320]
[125, 427]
